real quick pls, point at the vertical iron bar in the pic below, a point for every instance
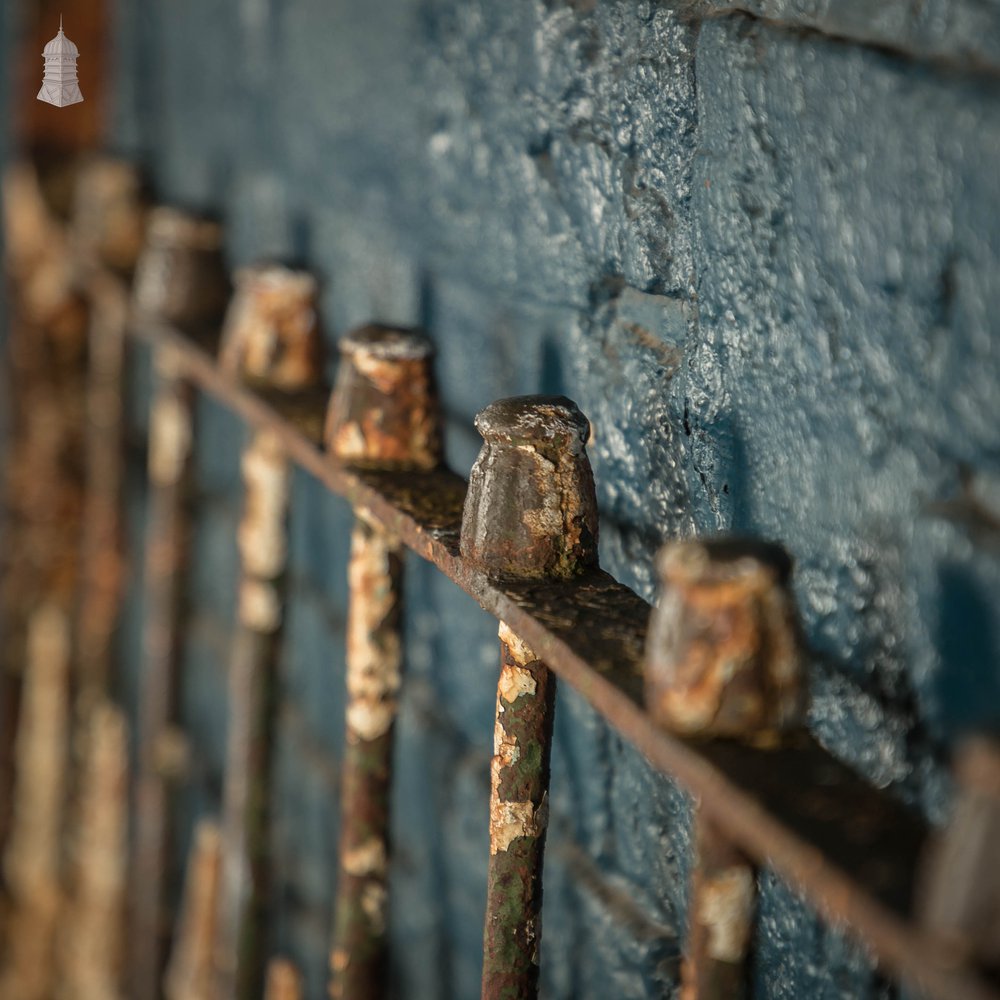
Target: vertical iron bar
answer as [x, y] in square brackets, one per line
[109, 216]
[271, 338]
[92, 928]
[384, 414]
[190, 973]
[263, 551]
[723, 658]
[374, 664]
[720, 918]
[530, 513]
[518, 820]
[170, 445]
[32, 860]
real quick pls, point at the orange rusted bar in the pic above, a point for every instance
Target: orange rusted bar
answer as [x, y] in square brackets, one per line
[723, 658]
[271, 339]
[107, 232]
[384, 415]
[720, 918]
[92, 928]
[530, 514]
[33, 857]
[179, 276]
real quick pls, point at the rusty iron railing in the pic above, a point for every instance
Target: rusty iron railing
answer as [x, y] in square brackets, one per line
[521, 540]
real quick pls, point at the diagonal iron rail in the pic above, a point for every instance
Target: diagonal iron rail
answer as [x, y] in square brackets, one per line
[851, 849]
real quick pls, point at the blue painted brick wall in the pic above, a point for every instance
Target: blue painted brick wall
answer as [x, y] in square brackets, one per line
[759, 248]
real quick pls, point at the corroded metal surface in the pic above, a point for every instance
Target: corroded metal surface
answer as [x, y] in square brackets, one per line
[109, 214]
[246, 794]
[724, 655]
[383, 414]
[720, 919]
[106, 231]
[271, 331]
[92, 927]
[530, 512]
[101, 551]
[850, 848]
[531, 509]
[33, 858]
[374, 666]
[180, 275]
[170, 447]
[190, 974]
[272, 340]
[519, 805]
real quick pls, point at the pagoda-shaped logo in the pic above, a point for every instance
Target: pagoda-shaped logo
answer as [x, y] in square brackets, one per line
[60, 86]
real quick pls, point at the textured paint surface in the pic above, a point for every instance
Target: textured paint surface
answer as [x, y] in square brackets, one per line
[762, 261]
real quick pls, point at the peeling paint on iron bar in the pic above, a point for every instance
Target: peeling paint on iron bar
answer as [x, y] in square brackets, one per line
[171, 433]
[849, 848]
[270, 338]
[383, 414]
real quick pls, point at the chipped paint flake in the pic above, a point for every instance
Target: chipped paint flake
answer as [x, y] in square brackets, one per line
[510, 820]
[260, 606]
[374, 897]
[726, 909]
[368, 858]
[169, 439]
[519, 649]
[514, 682]
[374, 653]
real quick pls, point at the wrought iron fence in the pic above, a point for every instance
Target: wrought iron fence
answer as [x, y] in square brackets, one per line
[708, 686]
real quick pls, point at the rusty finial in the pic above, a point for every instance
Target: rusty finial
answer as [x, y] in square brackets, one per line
[384, 411]
[180, 277]
[272, 334]
[960, 883]
[530, 512]
[723, 656]
[109, 214]
[531, 509]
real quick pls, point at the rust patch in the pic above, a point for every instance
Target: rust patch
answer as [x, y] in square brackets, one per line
[271, 331]
[261, 538]
[725, 907]
[721, 913]
[93, 928]
[169, 439]
[519, 774]
[384, 411]
[32, 860]
[531, 508]
[374, 652]
[374, 663]
[180, 276]
[723, 652]
[109, 214]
